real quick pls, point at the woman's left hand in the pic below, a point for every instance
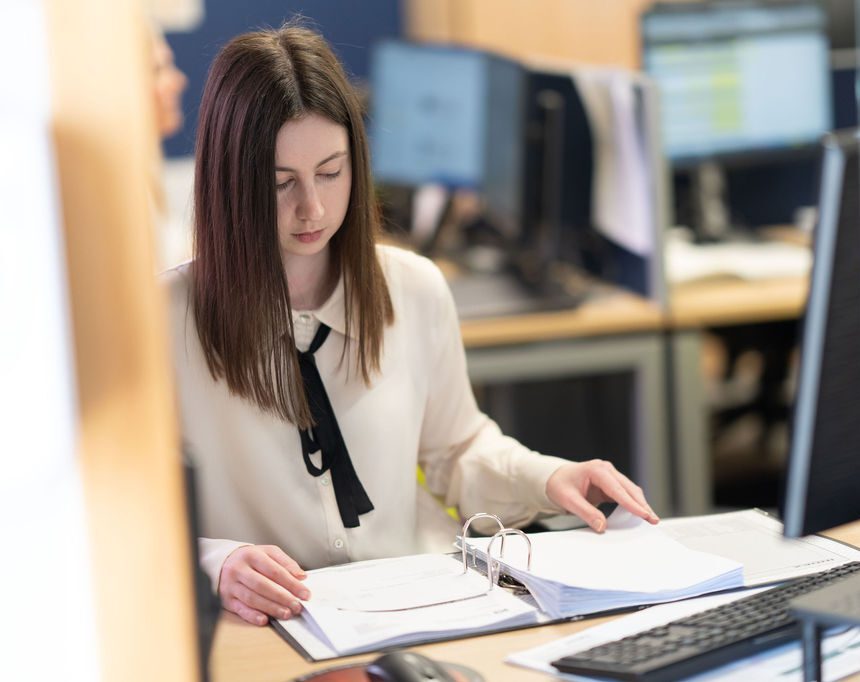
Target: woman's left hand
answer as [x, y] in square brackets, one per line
[579, 486]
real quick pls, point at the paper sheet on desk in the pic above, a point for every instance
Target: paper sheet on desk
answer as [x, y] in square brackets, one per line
[686, 262]
[755, 540]
[842, 651]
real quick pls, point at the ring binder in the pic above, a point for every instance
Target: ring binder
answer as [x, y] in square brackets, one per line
[493, 571]
[475, 517]
[403, 601]
[503, 532]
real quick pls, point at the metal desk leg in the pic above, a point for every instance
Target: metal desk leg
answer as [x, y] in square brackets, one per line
[688, 418]
[643, 354]
[811, 651]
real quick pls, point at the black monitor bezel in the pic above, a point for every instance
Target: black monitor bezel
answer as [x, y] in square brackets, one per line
[806, 404]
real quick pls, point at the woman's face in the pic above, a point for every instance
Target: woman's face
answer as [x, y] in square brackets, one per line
[169, 84]
[313, 177]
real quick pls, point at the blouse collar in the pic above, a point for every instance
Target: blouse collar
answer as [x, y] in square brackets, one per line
[333, 311]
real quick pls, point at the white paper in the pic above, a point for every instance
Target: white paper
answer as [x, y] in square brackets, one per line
[604, 561]
[623, 186]
[755, 540]
[401, 583]
[370, 604]
[686, 262]
[633, 563]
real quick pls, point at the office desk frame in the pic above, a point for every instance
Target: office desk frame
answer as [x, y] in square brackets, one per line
[695, 308]
[642, 354]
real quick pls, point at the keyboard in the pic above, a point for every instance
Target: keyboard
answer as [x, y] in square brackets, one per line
[704, 640]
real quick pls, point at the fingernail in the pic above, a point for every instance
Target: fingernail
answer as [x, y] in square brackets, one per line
[261, 620]
[285, 614]
[598, 524]
[297, 607]
[301, 575]
[304, 594]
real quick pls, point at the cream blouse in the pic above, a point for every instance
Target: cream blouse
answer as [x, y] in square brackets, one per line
[253, 487]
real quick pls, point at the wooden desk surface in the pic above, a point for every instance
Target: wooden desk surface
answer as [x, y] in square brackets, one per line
[612, 311]
[246, 653]
[708, 303]
[722, 302]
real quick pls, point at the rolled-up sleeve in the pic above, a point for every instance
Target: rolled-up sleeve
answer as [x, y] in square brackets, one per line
[464, 455]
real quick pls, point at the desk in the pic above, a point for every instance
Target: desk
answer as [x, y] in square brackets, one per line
[694, 307]
[716, 303]
[246, 653]
[614, 330]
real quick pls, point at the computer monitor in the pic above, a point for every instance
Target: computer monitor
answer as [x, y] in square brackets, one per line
[517, 136]
[822, 487]
[738, 77]
[450, 116]
[739, 81]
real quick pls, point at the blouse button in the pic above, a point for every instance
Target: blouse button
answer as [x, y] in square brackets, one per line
[338, 544]
[324, 480]
[305, 318]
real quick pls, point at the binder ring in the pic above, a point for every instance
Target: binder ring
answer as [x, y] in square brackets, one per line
[492, 569]
[473, 517]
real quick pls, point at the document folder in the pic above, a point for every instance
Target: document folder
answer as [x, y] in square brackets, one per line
[374, 605]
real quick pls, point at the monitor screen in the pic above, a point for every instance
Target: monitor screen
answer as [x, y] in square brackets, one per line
[428, 115]
[449, 116]
[738, 77]
[823, 477]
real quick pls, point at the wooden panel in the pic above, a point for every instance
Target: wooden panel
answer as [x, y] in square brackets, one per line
[105, 144]
[430, 21]
[586, 31]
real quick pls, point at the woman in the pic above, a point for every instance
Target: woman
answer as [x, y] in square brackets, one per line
[317, 368]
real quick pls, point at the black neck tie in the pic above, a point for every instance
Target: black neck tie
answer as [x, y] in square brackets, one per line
[352, 499]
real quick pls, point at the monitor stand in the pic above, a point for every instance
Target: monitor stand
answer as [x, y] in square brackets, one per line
[834, 605]
[710, 205]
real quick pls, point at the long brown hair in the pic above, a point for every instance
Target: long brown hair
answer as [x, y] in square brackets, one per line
[241, 300]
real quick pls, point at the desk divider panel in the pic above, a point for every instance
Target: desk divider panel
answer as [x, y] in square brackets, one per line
[106, 149]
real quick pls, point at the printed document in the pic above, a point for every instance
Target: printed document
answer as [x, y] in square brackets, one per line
[368, 605]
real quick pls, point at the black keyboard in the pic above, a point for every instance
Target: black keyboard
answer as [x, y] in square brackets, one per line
[704, 640]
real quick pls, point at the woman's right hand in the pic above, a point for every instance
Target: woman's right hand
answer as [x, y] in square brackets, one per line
[258, 581]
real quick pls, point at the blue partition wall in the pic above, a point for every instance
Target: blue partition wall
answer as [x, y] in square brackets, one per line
[352, 27]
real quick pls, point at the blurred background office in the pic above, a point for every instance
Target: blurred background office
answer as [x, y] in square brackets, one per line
[498, 132]
[621, 194]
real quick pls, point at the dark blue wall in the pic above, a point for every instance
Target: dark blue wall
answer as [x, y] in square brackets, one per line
[351, 26]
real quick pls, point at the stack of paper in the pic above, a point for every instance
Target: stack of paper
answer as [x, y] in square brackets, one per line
[370, 605]
[687, 262]
[633, 563]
